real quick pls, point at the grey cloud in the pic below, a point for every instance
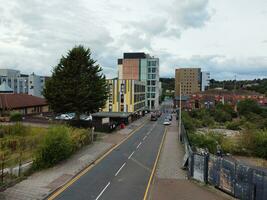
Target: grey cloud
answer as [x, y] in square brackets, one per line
[171, 22]
[220, 66]
[190, 14]
[40, 32]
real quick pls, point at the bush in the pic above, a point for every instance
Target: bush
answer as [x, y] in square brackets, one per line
[208, 121]
[260, 141]
[56, 146]
[188, 122]
[234, 125]
[80, 137]
[248, 106]
[17, 129]
[209, 141]
[15, 117]
[222, 116]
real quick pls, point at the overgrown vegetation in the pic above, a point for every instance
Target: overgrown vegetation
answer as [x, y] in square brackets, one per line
[15, 117]
[250, 120]
[45, 146]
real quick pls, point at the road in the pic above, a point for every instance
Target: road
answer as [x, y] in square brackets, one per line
[125, 172]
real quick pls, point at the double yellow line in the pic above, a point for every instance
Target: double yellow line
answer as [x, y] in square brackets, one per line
[155, 165]
[84, 171]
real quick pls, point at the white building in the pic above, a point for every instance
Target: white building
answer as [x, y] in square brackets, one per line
[21, 83]
[205, 80]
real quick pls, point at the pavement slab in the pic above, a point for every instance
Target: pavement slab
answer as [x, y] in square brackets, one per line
[170, 182]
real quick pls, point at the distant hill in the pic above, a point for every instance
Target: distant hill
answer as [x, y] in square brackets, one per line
[257, 85]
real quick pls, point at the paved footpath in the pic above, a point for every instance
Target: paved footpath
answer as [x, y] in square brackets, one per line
[40, 184]
[170, 181]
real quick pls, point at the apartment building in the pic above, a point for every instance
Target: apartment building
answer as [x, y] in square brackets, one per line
[125, 96]
[22, 83]
[142, 67]
[188, 80]
[205, 81]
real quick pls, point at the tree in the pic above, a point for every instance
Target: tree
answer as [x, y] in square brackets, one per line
[77, 84]
[248, 106]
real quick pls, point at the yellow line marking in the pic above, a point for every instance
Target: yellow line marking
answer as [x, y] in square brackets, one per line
[84, 171]
[155, 165]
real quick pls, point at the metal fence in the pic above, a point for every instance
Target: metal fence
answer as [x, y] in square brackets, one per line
[235, 178]
[12, 169]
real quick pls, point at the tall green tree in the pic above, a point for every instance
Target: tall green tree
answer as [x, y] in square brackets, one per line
[77, 84]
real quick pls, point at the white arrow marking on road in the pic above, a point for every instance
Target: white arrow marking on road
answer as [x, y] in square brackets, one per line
[120, 169]
[102, 191]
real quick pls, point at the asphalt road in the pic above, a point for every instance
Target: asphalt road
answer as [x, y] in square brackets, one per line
[125, 172]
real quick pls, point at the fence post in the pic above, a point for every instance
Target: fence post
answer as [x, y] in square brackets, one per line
[2, 170]
[20, 155]
[206, 167]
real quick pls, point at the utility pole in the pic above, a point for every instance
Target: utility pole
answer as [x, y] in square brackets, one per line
[180, 112]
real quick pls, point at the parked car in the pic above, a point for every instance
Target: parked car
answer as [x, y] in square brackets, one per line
[166, 122]
[64, 117]
[86, 117]
[153, 117]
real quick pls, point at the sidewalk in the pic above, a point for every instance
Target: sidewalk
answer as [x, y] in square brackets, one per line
[170, 181]
[40, 184]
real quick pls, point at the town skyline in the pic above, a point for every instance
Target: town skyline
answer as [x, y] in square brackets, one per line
[208, 34]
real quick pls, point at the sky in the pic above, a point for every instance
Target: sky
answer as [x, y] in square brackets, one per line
[227, 38]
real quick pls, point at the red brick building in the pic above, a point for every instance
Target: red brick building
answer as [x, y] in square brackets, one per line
[210, 98]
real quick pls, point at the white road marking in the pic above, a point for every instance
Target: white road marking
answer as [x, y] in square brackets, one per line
[120, 169]
[139, 145]
[144, 137]
[102, 191]
[130, 155]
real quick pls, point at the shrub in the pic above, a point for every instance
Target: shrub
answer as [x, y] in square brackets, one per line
[188, 122]
[15, 129]
[56, 146]
[260, 141]
[208, 121]
[222, 116]
[15, 117]
[80, 137]
[234, 125]
[205, 141]
[248, 106]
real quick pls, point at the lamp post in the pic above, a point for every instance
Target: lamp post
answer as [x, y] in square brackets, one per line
[180, 111]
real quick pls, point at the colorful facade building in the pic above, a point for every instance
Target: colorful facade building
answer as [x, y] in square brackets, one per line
[142, 67]
[125, 96]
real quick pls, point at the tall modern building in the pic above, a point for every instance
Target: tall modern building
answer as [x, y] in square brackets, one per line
[21, 83]
[142, 67]
[205, 81]
[188, 79]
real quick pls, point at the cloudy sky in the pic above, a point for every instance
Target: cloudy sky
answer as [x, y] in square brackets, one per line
[224, 37]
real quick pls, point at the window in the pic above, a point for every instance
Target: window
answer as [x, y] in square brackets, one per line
[153, 82]
[154, 70]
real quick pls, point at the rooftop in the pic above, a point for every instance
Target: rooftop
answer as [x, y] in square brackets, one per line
[11, 101]
[228, 92]
[112, 114]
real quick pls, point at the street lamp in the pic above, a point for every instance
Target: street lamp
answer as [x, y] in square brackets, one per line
[180, 111]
